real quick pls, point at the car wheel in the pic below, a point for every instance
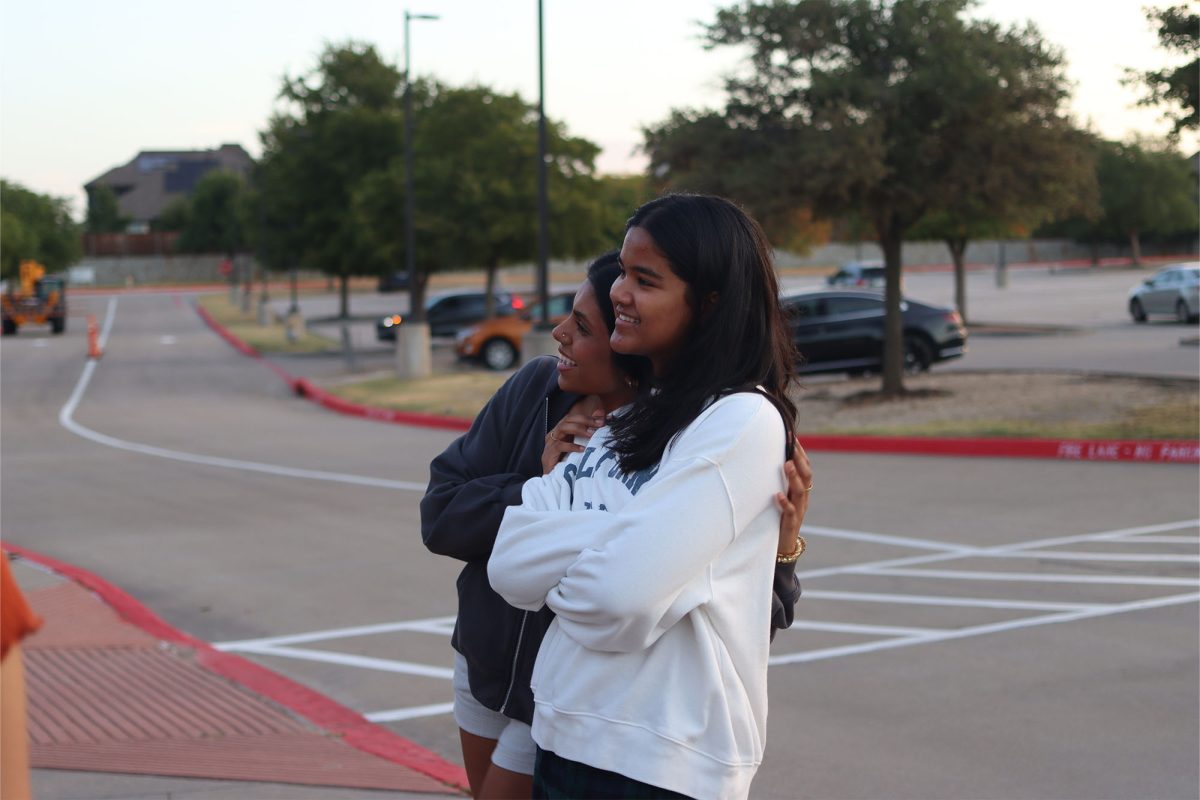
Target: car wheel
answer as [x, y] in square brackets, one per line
[498, 354]
[10, 327]
[918, 355]
[1183, 314]
[1136, 311]
[58, 324]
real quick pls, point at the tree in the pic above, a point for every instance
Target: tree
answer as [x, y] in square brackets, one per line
[217, 216]
[476, 190]
[35, 226]
[704, 151]
[343, 122]
[103, 213]
[619, 196]
[860, 106]
[1145, 187]
[1177, 88]
[1006, 185]
[175, 216]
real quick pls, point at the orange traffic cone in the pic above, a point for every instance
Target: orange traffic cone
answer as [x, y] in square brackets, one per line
[93, 335]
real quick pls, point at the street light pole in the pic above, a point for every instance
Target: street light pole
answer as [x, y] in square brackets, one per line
[410, 203]
[543, 200]
[413, 354]
[540, 339]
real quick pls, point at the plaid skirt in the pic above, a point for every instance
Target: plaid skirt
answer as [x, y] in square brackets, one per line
[557, 778]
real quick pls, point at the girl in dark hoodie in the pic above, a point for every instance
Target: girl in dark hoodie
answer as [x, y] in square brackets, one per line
[533, 421]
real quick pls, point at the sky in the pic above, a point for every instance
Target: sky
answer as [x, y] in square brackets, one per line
[84, 86]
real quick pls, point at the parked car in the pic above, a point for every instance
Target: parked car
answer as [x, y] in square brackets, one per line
[449, 313]
[842, 331]
[863, 274]
[393, 281]
[497, 341]
[1174, 289]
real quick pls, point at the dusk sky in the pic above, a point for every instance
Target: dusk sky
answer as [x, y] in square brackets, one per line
[84, 86]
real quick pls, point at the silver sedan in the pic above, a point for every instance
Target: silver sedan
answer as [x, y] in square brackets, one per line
[1173, 290]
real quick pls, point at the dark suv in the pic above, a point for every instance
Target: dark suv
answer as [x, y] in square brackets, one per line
[448, 313]
[842, 331]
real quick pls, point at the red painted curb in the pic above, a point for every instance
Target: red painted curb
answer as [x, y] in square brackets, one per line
[223, 332]
[1161, 451]
[310, 391]
[343, 406]
[312, 705]
[1147, 451]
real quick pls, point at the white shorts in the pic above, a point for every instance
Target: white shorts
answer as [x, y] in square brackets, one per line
[515, 749]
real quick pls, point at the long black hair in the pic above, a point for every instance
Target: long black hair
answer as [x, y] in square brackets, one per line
[736, 344]
[601, 274]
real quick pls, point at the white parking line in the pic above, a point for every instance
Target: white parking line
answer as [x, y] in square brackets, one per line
[850, 569]
[937, 600]
[1063, 555]
[981, 630]
[410, 713]
[346, 659]
[849, 627]
[882, 538]
[1193, 540]
[438, 625]
[890, 637]
[1035, 577]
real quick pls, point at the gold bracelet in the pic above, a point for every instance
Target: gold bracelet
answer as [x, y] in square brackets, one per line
[790, 558]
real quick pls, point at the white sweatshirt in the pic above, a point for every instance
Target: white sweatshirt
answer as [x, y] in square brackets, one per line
[656, 665]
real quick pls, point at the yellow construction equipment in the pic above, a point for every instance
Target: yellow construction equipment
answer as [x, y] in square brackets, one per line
[39, 300]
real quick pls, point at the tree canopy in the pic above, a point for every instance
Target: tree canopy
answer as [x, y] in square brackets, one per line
[342, 122]
[35, 226]
[103, 212]
[1176, 88]
[888, 110]
[476, 190]
[332, 185]
[216, 219]
[1145, 188]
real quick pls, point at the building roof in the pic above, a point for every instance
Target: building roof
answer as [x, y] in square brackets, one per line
[154, 178]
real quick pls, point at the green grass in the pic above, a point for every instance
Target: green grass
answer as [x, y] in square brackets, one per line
[464, 394]
[1178, 419]
[269, 338]
[460, 394]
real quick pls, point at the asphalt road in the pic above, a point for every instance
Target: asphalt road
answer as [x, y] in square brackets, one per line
[971, 628]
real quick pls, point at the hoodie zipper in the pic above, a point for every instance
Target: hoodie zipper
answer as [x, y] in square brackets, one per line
[512, 678]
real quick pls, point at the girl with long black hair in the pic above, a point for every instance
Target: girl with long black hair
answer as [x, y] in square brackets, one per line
[653, 547]
[534, 420]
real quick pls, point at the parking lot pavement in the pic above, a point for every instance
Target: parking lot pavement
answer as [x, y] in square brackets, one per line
[954, 591]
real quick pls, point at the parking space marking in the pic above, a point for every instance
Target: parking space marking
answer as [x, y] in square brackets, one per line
[1032, 544]
[1034, 577]
[414, 712]
[348, 660]
[937, 600]
[438, 625]
[884, 637]
[850, 627]
[981, 630]
[883, 538]
[1195, 540]
[1064, 555]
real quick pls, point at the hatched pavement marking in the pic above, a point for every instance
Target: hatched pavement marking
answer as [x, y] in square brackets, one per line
[889, 637]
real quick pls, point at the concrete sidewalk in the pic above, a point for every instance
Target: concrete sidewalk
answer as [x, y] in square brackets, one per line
[120, 705]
